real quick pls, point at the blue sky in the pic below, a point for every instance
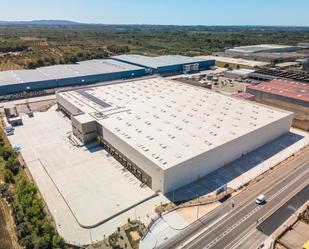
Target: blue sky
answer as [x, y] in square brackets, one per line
[179, 12]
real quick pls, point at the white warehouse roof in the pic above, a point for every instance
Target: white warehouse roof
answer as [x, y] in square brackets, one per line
[90, 67]
[158, 61]
[21, 76]
[170, 122]
[261, 48]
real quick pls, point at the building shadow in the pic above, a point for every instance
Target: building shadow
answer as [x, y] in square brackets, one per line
[223, 175]
[93, 147]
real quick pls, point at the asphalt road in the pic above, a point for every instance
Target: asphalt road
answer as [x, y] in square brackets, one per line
[228, 227]
[270, 225]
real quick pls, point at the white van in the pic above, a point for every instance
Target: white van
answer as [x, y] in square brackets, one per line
[261, 199]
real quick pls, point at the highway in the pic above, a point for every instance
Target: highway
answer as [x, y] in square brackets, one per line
[228, 227]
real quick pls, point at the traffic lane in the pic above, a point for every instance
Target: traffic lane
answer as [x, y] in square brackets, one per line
[243, 219]
[252, 241]
[252, 221]
[242, 198]
[195, 227]
[283, 213]
[216, 234]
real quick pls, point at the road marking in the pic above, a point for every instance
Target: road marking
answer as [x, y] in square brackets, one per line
[282, 178]
[259, 207]
[262, 218]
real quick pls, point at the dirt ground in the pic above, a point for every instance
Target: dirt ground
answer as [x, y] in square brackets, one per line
[229, 86]
[296, 237]
[7, 237]
[135, 236]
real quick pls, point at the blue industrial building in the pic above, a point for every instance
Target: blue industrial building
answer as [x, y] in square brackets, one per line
[167, 64]
[94, 71]
[51, 77]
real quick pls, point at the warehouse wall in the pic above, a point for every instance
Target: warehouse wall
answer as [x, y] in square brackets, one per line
[203, 164]
[73, 81]
[179, 68]
[260, 95]
[136, 157]
[207, 64]
[100, 78]
[133, 74]
[86, 132]
[21, 87]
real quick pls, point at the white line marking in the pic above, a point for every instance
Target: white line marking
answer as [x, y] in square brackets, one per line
[259, 207]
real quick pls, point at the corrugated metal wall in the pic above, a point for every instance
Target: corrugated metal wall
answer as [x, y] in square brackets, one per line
[66, 82]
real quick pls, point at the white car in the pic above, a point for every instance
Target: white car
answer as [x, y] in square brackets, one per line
[261, 199]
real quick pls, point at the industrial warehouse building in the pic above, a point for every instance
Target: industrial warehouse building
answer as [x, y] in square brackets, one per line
[286, 94]
[167, 64]
[85, 72]
[167, 133]
[234, 63]
[270, 48]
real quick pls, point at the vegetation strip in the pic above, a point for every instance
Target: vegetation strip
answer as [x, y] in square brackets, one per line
[34, 229]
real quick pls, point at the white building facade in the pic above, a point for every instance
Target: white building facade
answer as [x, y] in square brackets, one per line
[167, 133]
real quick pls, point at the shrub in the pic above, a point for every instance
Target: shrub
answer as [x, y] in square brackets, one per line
[58, 242]
[8, 176]
[13, 165]
[26, 242]
[6, 152]
[44, 242]
[3, 189]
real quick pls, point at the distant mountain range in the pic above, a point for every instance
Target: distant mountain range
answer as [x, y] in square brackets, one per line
[41, 22]
[72, 23]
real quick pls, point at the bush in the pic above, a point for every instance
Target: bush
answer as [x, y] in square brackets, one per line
[26, 242]
[8, 176]
[23, 230]
[3, 189]
[58, 242]
[6, 152]
[1, 141]
[118, 49]
[13, 165]
[44, 242]
[30, 211]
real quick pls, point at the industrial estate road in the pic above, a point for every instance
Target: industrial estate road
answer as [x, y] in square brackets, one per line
[228, 227]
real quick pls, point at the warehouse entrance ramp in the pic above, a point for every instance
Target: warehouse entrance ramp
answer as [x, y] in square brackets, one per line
[244, 169]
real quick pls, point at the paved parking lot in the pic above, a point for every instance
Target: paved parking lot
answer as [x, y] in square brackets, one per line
[83, 187]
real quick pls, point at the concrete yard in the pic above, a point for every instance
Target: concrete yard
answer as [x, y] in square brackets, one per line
[87, 191]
